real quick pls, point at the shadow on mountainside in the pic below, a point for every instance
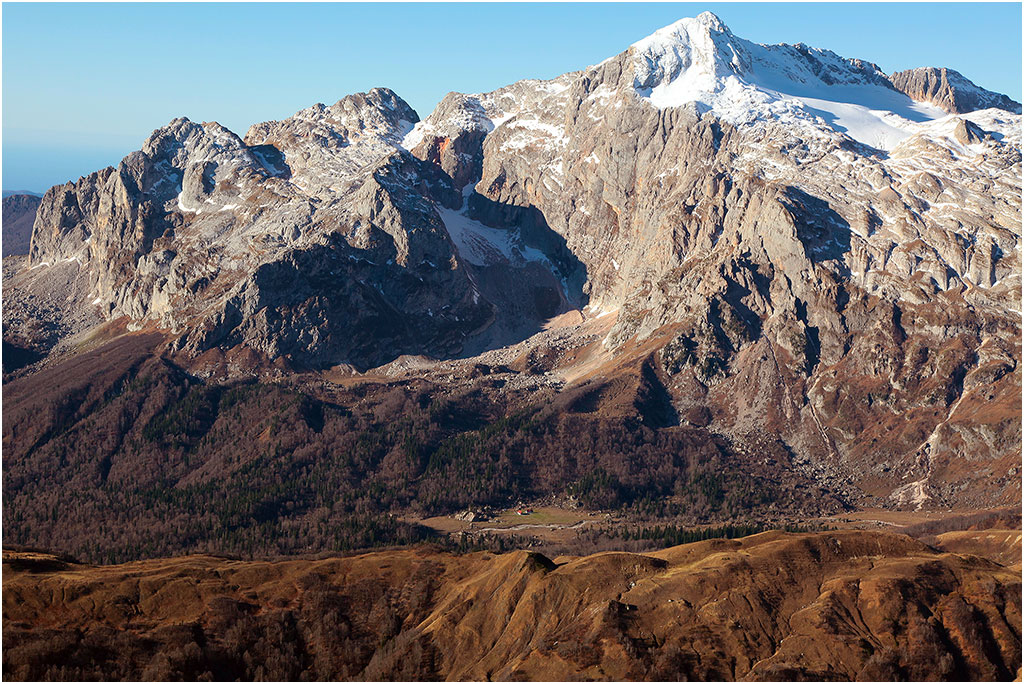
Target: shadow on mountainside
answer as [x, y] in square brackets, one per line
[536, 233]
[526, 297]
[824, 233]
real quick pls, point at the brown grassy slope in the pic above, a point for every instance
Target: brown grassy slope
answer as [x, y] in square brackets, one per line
[837, 605]
[1002, 546]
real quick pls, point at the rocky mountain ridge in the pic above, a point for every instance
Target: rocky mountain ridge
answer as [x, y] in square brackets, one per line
[776, 246]
[950, 90]
[803, 249]
[230, 242]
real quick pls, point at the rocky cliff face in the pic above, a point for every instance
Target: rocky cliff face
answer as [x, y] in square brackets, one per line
[949, 90]
[810, 248]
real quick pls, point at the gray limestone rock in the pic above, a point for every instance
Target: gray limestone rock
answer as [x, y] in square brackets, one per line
[949, 90]
[316, 239]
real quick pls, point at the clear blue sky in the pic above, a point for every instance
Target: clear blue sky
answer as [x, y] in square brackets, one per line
[84, 84]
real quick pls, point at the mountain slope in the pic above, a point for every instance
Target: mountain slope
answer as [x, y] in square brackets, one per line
[829, 606]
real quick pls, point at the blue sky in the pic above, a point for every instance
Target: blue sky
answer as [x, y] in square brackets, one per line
[84, 84]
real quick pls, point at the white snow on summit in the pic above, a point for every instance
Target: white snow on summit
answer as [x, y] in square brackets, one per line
[700, 60]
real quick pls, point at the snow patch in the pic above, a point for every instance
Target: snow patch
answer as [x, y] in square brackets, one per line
[185, 209]
[413, 137]
[499, 120]
[265, 163]
[478, 244]
[482, 245]
[596, 310]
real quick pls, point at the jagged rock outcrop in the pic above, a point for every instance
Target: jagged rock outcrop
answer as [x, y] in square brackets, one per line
[949, 90]
[316, 238]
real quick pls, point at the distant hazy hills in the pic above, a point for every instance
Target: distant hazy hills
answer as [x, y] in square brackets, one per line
[19, 215]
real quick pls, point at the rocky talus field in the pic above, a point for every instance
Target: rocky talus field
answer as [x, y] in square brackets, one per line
[703, 288]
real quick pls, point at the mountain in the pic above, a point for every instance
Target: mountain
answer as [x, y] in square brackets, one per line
[19, 213]
[949, 90]
[853, 605]
[702, 280]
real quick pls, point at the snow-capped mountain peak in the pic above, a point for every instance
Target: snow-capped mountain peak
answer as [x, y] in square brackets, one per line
[700, 60]
[701, 51]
